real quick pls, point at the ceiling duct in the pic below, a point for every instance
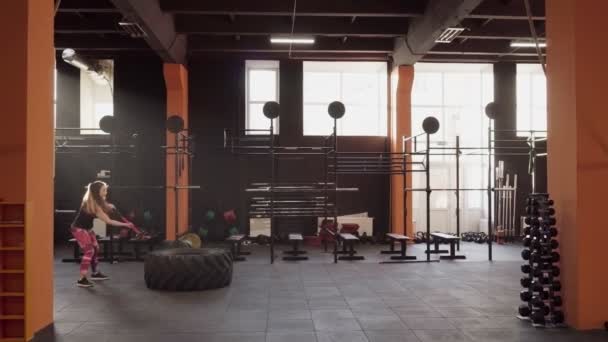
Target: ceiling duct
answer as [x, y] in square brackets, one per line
[449, 34]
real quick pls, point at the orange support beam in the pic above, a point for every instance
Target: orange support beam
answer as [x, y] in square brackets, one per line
[26, 152]
[176, 81]
[578, 153]
[402, 80]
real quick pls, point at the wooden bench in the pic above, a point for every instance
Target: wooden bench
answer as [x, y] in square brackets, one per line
[236, 241]
[402, 239]
[452, 240]
[295, 252]
[348, 247]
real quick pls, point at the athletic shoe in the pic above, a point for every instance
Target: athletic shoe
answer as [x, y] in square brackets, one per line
[99, 276]
[84, 282]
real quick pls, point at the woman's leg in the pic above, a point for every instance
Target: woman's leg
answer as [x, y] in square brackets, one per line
[83, 239]
[95, 256]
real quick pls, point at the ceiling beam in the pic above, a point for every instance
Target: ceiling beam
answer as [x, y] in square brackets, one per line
[89, 6]
[423, 31]
[262, 45]
[324, 26]
[499, 29]
[108, 43]
[509, 9]
[323, 8]
[481, 48]
[158, 26]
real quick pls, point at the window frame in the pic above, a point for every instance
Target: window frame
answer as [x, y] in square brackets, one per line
[528, 71]
[269, 65]
[383, 111]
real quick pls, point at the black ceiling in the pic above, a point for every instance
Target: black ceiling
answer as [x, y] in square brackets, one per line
[363, 29]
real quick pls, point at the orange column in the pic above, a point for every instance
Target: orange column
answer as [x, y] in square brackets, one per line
[176, 81]
[402, 79]
[578, 153]
[26, 143]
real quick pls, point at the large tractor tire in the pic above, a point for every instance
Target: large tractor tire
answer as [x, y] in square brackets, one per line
[188, 269]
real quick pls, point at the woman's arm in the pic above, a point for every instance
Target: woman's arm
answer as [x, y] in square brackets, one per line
[104, 217]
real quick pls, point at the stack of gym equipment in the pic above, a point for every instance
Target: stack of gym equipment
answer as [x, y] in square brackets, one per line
[541, 282]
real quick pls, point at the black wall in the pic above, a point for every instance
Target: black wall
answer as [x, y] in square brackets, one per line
[139, 107]
[505, 95]
[217, 102]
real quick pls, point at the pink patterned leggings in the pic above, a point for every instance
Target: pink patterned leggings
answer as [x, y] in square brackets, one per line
[88, 243]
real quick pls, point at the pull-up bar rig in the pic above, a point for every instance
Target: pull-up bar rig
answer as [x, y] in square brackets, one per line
[490, 151]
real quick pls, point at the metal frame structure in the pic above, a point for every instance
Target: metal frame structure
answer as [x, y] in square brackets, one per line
[490, 151]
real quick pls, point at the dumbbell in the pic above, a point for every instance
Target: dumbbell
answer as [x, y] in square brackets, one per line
[537, 301]
[525, 295]
[553, 271]
[556, 301]
[525, 281]
[537, 257]
[557, 317]
[537, 243]
[533, 221]
[537, 286]
[538, 316]
[526, 268]
[549, 221]
[524, 310]
[525, 254]
[546, 211]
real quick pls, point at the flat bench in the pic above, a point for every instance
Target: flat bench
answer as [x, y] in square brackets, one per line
[295, 253]
[236, 241]
[348, 247]
[402, 239]
[107, 250]
[452, 240]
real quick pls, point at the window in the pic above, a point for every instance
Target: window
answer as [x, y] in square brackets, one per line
[96, 96]
[261, 86]
[531, 99]
[361, 86]
[456, 94]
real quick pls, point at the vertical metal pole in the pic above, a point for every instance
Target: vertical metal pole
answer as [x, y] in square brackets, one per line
[458, 191]
[175, 183]
[405, 213]
[490, 189]
[272, 179]
[336, 188]
[428, 198]
[533, 161]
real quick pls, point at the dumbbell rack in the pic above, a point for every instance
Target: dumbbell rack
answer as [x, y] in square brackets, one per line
[541, 281]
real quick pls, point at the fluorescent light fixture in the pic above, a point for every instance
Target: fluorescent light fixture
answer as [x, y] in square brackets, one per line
[292, 40]
[449, 34]
[528, 44]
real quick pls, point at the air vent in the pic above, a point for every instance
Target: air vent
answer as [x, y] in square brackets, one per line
[133, 29]
[449, 34]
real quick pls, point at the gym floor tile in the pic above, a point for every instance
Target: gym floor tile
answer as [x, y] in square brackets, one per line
[341, 336]
[428, 323]
[336, 324]
[290, 325]
[441, 336]
[391, 336]
[291, 337]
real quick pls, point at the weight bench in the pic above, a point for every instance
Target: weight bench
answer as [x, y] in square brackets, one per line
[452, 240]
[107, 250]
[402, 239]
[295, 253]
[236, 241]
[348, 247]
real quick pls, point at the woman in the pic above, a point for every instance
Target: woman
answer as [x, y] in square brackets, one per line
[94, 205]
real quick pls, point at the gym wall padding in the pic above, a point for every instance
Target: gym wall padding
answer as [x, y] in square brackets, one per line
[578, 154]
[26, 144]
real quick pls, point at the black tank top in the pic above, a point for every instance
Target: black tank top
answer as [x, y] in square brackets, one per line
[83, 220]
